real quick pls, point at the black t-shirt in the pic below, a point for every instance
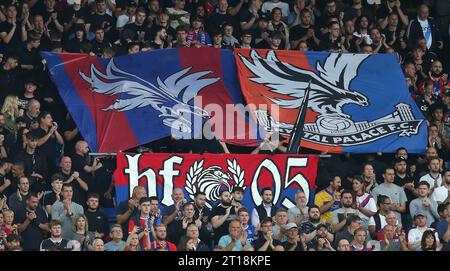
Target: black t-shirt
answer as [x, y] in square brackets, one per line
[52, 26]
[10, 82]
[33, 235]
[327, 45]
[223, 229]
[49, 199]
[383, 12]
[138, 29]
[8, 191]
[35, 162]
[23, 101]
[122, 209]
[70, 13]
[288, 246]
[215, 23]
[28, 57]
[78, 164]
[48, 149]
[103, 21]
[299, 31]
[175, 231]
[69, 146]
[258, 243]
[79, 195]
[59, 246]
[97, 222]
[99, 47]
[401, 182]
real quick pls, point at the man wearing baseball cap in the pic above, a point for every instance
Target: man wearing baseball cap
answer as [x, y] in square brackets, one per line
[415, 234]
[294, 241]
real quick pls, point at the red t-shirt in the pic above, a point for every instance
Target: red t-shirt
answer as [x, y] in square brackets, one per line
[155, 246]
[142, 224]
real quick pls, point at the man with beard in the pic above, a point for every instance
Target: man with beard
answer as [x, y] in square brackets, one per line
[222, 215]
[237, 195]
[309, 228]
[266, 209]
[340, 215]
[441, 80]
[32, 223]
[442, 194]
[403, 180]
[32, 112]
[55, 241]
[161, 244]
[329, 199]
[201, 210]
[79, 185]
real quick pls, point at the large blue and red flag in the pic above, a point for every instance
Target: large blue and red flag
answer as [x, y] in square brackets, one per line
[357, 103]
[127, 101]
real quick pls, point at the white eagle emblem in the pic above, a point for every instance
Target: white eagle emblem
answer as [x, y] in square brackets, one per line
[329, 86]
[170, 97]
[213, 179]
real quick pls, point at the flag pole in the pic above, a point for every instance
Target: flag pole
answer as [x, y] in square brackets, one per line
[297, 131]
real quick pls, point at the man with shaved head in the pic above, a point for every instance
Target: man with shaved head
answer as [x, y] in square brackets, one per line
[129, 208]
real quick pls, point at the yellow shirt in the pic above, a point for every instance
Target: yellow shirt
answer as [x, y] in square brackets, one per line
[324, 197]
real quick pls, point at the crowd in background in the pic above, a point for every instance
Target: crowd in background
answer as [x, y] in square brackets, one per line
[54, 195]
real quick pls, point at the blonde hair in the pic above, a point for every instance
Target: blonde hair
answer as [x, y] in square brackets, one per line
[11, 106]
[75, 221]
[128, 243]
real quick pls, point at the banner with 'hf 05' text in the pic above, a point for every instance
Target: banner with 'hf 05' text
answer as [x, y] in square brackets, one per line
[211, 173]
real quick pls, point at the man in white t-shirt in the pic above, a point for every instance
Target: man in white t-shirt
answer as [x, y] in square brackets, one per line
[433, 177]
[442, 194]
[269, 5]
[415, 234]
